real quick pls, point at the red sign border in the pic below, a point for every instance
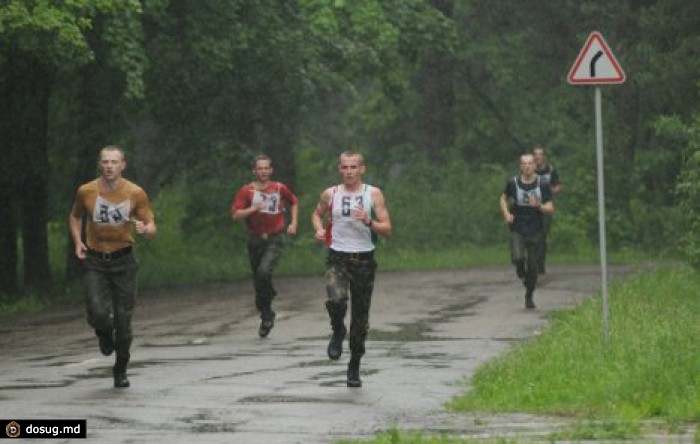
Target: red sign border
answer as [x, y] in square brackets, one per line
[579, 59]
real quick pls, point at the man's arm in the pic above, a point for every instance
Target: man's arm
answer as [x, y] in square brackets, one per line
[382, 225]
[319, 213]
[547, 207]
[144, 222]
[146, 229]
[556, 183]
[507, 215]
[239, 208]
[243, 213]
[76, 225]
[292, 228]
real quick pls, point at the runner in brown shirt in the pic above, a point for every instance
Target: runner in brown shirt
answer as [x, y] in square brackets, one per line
[112, 206]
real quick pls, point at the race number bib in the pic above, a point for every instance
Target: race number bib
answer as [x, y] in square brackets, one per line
[110, 213]
[271, 200]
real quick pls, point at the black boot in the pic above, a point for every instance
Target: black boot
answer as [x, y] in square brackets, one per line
[120, 379]
[354, 372]
[267, 321]
[335, 346]
[529, 303]
[106, 340]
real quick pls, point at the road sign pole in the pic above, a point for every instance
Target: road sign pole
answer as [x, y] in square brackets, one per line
[601, 210]
[596, 65]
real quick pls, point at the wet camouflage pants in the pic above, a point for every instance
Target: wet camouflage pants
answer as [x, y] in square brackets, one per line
[264, 255]
[110, 299]
[546, 223]
[355, 280]
[524, 254]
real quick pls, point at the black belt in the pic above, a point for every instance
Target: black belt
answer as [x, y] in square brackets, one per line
[265, 236]
[110, 256]
[361, 256]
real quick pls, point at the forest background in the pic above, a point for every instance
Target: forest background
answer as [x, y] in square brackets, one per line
[441, 96]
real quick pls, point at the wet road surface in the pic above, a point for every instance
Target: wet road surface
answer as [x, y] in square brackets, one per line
[199, 372]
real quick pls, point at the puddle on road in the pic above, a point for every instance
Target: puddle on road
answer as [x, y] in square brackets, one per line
[332, 374]
[232, 375]
[111, 420]
[342, 382]
[419, 330]
[406, 333]
[317, 363]
[457, 310]
[207, 423]
[218, 330]
[33, 385]
[186, 343]
[287, 399]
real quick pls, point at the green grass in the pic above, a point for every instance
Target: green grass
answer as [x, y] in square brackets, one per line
[395, 436]
[28, 303]
[650, 367]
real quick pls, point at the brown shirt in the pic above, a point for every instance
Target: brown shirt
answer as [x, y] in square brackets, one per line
[109, 213]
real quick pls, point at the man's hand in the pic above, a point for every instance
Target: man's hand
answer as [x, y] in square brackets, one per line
[509, 218]
[81, 250]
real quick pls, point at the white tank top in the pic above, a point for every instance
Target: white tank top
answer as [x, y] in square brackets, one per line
[349, 234]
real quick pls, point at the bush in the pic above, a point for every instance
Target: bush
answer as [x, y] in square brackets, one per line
[688, 191]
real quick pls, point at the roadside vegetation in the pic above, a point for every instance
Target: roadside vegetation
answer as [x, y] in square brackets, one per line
[648, 371]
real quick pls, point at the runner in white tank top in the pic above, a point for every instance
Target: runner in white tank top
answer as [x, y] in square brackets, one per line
[350, 265]
[349, 234]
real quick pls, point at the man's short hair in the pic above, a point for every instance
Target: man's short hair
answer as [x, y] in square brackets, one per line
[261, 157]
[352, 153]
[112, 148]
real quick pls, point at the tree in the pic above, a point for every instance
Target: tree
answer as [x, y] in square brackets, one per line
[42, 41]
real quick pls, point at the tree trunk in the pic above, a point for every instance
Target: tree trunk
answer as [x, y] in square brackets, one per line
[26, 86]
[8, 241]
[29, 99]
[37, 273]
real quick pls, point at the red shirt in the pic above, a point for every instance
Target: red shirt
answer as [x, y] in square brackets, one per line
[270, 219]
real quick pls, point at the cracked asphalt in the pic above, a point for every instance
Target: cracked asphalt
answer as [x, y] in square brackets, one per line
[199, 372]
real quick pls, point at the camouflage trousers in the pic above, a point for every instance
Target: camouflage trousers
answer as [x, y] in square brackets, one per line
[110, 298]
[547, 223]
[354, 280]
[263, 254]
[525, 255]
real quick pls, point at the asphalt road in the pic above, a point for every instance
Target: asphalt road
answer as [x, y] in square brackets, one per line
[200, 373]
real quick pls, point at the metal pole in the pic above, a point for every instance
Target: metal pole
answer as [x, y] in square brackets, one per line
[601, 210]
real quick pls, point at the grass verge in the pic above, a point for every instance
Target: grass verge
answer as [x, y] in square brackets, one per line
[650, 367]
[648, 370]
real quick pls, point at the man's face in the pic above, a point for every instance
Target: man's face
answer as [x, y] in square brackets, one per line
[262, 170]
[539, 157]
[112, 164]
[527, 165]
[351, 169]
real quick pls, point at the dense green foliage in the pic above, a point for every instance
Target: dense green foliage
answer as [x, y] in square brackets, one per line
[688, 189]
[441, 96]
[649, 369]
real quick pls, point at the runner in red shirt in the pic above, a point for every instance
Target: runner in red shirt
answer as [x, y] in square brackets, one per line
[261, 204]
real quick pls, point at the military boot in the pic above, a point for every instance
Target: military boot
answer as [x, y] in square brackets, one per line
[354, 372]
[119, 371]
[336, 311]
[267, 321]
[335, 345]
[106, 340]
[529, 302]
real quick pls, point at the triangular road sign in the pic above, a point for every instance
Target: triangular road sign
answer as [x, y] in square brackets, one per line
[596, 64]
